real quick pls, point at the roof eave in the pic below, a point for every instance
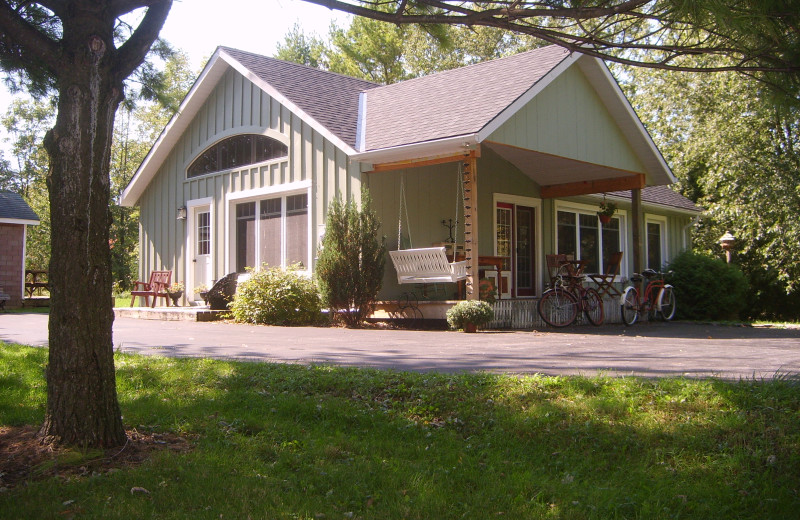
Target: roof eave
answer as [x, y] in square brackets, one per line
[421, 150]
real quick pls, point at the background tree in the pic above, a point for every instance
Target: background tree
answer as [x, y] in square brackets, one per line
[736, 152]
[84, 51]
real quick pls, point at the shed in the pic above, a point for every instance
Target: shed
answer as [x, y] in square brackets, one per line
[15, 217]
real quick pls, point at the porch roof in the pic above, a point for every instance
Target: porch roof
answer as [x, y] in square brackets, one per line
[14, 210]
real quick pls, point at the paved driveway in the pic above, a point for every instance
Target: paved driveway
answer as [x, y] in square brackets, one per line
[659, 349]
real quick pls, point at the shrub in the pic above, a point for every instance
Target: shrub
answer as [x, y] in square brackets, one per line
[477, 312]
[707, 288]
[351, 261]
[277, 297]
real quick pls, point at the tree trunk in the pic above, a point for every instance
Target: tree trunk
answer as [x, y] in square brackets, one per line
[82, 407]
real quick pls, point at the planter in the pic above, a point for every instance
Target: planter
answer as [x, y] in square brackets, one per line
[605, 219]
[175, 296]
[204, 296]
[470, 327]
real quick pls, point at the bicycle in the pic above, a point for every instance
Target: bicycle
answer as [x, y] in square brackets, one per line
[658, 301]
[559, 306]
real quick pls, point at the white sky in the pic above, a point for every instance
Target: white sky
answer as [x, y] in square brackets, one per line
[199, 26]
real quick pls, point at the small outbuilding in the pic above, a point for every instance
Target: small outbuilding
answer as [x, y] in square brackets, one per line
[15, 217]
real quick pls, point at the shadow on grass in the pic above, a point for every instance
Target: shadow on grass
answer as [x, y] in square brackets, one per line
[306, 441]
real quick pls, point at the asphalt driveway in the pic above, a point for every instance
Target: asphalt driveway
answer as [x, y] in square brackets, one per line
[658, 349]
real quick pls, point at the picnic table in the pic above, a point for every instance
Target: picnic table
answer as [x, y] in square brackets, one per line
[35, 280]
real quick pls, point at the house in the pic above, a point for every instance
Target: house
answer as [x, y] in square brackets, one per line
[508, 158]
[15, 217]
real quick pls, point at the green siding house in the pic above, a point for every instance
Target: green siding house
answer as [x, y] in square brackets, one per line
[509, 159]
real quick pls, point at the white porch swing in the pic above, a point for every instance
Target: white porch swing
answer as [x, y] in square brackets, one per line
[424, 265]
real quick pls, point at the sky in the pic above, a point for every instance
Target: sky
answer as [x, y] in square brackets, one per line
[199, 26]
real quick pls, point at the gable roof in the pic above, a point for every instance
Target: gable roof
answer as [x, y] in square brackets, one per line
[662, 196]
[14, 209]
[452, 103]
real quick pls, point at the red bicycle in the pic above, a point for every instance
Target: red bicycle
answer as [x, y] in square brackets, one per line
[658, 301]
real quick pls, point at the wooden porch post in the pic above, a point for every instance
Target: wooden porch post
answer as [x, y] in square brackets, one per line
[636, 223]
[470, 180]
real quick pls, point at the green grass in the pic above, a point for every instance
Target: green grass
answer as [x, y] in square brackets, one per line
[311, 442]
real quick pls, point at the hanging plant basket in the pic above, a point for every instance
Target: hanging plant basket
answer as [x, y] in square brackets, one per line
[605, 219]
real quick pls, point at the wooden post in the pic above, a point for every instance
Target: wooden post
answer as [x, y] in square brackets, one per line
[470, 180]
[636, 223]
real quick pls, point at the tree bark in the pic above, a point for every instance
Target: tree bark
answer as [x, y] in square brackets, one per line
[82, 407]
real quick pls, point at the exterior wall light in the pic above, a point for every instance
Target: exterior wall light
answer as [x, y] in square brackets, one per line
[182, 213]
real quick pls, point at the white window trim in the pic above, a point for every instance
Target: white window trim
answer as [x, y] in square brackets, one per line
[536, 204]
[256, 194]
[661, 220]
[591, 209]
[216, 138]
[191, 205]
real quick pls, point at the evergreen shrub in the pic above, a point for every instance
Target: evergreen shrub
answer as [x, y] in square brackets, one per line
[351, 260]
[707, 288]
[477, 312]
[277, 296]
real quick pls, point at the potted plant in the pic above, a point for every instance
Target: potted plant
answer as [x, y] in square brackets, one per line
[487, 291]
[175, 291]
[606, 211]
[469, 315]
[202, 290]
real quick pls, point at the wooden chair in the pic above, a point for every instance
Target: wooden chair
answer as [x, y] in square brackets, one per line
[556, 266]
[605, 281]
[156, 287]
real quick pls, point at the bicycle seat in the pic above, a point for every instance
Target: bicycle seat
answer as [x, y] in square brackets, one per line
[649, 273]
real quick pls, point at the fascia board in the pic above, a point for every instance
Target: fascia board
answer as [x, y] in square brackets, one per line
[618, 105]
[418, 150]
[656, 205]
[20, 221]
[283, 100]
[500, 119]
[169, 136]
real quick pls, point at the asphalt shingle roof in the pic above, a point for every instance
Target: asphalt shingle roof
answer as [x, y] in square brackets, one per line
[331, 99]
[12, 206]
[454, 102]
[663, 195]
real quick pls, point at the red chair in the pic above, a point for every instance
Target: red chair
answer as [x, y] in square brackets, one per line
[605, 281]
[156, 287]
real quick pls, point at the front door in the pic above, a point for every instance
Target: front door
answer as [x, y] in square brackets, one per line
[515, 242]
[201, 260]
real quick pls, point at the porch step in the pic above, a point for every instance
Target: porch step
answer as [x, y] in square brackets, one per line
[169, 313]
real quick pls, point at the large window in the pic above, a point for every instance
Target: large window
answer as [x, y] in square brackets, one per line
[581, 235]
[235, 152]
[278, 237]
[656, 244]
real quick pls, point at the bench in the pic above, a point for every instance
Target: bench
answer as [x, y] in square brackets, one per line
[34, 281]
[4, 297]
[427, 265]
[155, 287]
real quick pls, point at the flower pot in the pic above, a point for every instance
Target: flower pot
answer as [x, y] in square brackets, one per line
[204, 296]
[470, 327]
[175, 296]
[605, 219]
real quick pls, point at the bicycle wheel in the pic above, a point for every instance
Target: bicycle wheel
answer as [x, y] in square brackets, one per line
[666, 303]
[629, 309]
[593, 307]
[558, 307]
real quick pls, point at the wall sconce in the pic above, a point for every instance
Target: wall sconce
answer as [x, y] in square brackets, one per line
[182, 213]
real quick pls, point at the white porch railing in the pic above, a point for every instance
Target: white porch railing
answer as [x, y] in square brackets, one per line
[521, 314]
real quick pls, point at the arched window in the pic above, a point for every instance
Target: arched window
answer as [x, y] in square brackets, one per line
[235, 152]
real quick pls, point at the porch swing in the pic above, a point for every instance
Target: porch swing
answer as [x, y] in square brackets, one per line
[424, 265]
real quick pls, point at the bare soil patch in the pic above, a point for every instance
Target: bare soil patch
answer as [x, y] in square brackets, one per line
[23, 457]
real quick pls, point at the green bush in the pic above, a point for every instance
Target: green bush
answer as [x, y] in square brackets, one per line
[477, 312]
[277, 297]
[707, 288]
[351, 261]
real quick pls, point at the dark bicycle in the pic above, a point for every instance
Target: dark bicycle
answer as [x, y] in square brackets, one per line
[560, 305]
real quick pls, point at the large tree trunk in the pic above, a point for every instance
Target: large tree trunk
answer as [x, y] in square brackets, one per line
[82, 407]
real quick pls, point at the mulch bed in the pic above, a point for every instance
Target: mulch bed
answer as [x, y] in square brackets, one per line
[23, 457]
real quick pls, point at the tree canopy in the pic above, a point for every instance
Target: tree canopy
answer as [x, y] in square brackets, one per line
[758, 36]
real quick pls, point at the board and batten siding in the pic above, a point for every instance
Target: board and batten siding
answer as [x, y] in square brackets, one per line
[236, 106]
[569, 107]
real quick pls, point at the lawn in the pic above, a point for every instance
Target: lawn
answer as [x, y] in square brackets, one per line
[319, 442]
